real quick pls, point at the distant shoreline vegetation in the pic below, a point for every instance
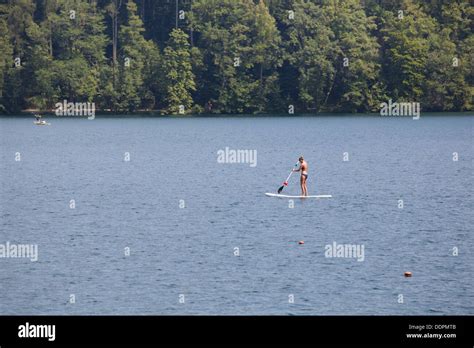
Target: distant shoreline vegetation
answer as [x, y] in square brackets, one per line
[159, 113]
[228, 57]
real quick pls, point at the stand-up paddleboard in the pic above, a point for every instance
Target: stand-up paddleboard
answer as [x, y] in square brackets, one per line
[289, 196]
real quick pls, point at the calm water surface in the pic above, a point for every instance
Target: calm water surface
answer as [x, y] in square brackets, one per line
[190, 250]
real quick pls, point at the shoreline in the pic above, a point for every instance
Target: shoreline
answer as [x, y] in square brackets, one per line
[106, 114]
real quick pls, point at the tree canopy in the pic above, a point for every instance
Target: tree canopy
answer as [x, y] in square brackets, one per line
[228, 56]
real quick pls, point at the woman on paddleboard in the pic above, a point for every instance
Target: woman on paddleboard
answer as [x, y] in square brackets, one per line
[304, 175]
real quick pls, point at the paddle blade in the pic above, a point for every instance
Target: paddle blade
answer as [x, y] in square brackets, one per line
[280, 189]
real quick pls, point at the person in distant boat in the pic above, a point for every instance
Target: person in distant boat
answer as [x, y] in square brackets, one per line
[209, 106]
[304, 175]
[38, 118]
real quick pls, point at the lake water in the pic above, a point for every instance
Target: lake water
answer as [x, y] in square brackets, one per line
[187, 254]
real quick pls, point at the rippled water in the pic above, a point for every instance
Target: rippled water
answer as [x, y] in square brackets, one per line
[136, 204]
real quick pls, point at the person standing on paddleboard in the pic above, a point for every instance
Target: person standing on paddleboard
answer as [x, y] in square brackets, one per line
[304, 175]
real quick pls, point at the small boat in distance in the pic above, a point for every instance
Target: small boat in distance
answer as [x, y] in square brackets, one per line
[40, 122]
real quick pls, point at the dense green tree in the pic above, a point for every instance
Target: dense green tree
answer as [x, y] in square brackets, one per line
[67, 54]
[239, 41]
[18, 16]
[267, 57]
[6, 57]
[136, 55]
[445, 86]
[406, 42]
[222, 36]
[179, 77]
[311, 50]
[357, 84]
[336, 58]
[42, 91]
[422, 63]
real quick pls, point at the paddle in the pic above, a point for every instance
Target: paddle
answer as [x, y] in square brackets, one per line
[286, 181]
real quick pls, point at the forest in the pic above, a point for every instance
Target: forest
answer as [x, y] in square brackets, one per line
[236, 56]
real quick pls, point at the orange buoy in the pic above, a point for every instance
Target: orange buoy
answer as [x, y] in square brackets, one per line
[407, 274]
[301, 242]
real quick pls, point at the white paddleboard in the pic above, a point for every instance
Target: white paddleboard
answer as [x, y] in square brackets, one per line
[288, 196]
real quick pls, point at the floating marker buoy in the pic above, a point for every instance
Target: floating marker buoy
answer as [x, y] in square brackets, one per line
[301, 242]
[407, 274]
